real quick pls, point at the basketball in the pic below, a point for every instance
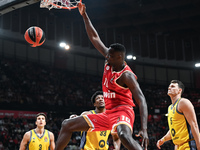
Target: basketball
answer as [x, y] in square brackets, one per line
[34, 36]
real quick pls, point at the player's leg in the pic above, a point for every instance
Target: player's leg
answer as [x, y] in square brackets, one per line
[125, 135]
[69, 126]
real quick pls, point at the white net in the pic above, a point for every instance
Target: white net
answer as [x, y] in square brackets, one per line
[59, 4]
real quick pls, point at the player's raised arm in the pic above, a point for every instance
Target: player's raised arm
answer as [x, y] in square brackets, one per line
[91, 31]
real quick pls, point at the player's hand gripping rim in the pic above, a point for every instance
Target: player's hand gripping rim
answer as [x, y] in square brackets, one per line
[81, 8]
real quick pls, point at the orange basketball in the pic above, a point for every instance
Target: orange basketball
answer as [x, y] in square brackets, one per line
[34, 36]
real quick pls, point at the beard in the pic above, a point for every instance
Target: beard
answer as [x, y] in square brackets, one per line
[101, 106]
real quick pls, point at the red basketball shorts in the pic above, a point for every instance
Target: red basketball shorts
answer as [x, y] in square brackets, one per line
[110, 119]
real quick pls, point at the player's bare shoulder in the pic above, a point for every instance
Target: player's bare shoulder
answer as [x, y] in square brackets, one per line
[129, 74]
[51, 134]
[27, 134]
[184, 104]
[185, 101]
[26, 137]
[128, 78]
[25, 140]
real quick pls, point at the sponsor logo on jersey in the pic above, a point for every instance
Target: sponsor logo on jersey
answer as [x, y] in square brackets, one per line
[175, 138]
[102, 143]
[109, 94]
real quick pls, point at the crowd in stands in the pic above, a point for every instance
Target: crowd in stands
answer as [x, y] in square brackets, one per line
[29, 84]
[26, 85]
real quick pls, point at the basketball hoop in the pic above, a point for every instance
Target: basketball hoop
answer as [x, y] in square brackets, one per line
[59, 4]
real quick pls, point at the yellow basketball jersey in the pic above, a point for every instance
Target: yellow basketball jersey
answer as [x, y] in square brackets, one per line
[97, 140]
[179, 127]
[39, 143]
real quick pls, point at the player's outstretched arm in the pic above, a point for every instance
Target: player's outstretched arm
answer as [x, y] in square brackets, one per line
[91, 31]
[25, 140]
[130, 81]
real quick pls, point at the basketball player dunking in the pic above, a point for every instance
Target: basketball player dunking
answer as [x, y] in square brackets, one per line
[119, 86]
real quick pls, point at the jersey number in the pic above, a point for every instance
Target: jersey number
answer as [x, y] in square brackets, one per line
[171, 120]
[106, 82]
[173, 132]
[125, 119]
[103, 133]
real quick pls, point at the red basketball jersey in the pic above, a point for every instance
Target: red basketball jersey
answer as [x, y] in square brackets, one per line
[114, 94]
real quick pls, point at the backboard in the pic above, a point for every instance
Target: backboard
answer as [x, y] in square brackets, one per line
[10, 5]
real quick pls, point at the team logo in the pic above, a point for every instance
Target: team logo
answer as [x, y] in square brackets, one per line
[102, 143]
[45, 139]
[107, 68]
